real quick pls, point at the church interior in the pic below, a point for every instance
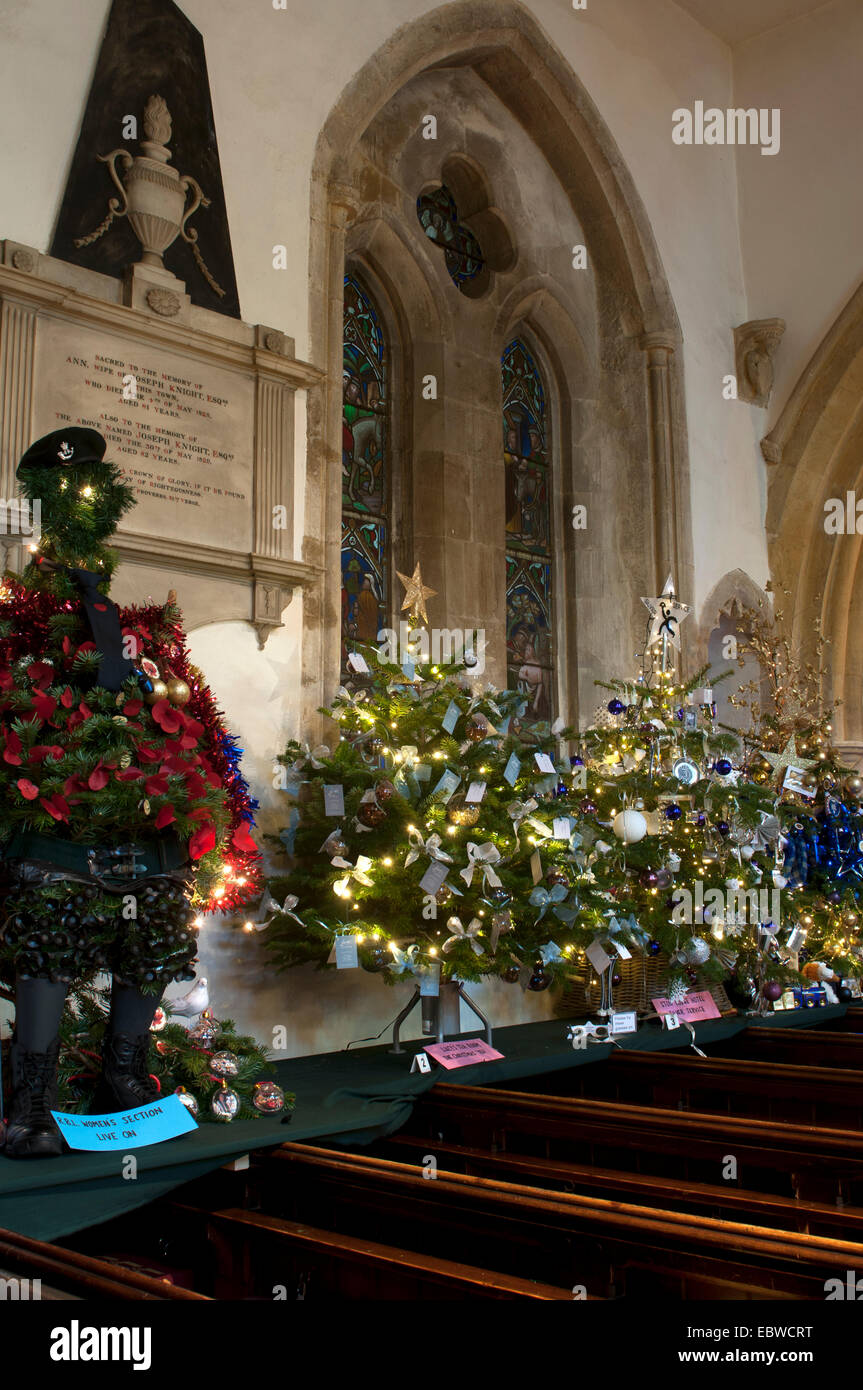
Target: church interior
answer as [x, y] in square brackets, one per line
[456, 752]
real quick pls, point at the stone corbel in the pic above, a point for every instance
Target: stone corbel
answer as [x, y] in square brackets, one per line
[270, 599]
[755, 345]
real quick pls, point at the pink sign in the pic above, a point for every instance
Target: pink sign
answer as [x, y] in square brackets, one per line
[462, 1054]
[691, 1009]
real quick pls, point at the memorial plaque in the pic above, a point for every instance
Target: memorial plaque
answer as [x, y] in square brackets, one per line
[180, 427]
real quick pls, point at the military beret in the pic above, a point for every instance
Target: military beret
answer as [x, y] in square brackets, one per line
[64, 448]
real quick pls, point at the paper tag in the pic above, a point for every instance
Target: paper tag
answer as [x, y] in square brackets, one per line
[597, 957]
[429, 980]
[670, 1021]
[451, 717]
[696, 1005]
[622, 951]
[433, 877]
[512, 769]
[463, 1053]
[561, 828]
[421, 1063]
[346, 953]
[126, 1129]
[334, 801]
[475, 792]
[536, 866]
[422, 772]
[358, 663]
[447, 785]
[625, 1022]
[544, 763]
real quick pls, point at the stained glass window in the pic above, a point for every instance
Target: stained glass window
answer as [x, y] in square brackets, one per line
[365, 484]
[440, 221]
[528, 531]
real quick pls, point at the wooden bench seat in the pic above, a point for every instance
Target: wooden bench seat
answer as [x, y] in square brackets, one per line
[83, 1276]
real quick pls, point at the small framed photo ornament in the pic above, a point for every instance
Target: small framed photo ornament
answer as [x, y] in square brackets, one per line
[795, 781]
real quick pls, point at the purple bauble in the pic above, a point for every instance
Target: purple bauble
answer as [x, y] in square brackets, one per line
[673, 812]
[615, 980]
[650, 878]
[588, 806]
[722, 766]
[576, 762]
[615, 706]
[723, 827]
[772, 990]
[663, 878]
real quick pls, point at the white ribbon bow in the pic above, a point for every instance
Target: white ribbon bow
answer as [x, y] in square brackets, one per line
[431, 847]
[460, 933]
[519, 811]
[403, 960]
[358, 871]
[482, 857]
[408, 754]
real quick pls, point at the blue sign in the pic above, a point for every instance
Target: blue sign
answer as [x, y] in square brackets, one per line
[164, 1119]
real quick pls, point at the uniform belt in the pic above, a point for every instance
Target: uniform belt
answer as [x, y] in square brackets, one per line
[97, 861]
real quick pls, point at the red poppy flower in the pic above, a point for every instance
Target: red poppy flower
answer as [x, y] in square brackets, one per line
[12, 751]
[98, 778]
[73, 785]
[202, 841]
[242, 840]
[156, 786]
[200, 813]
[56, 806]
[27, 789]
[41, 674]
[195, 785]
[147, 754]
[129, 774]
[44, 705]
[167, 717]
[165, 817]
[133, 707]
[67, 699]
[7, 680]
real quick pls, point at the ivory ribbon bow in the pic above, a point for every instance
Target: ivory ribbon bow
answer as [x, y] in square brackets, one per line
[403, 960]
[550, 952]
[358, 871]
[407, 755]
[271, 908]
[431, 847]
[519, 811]
[545, 898]
[315, 754]
[460, 933]
[482, 857]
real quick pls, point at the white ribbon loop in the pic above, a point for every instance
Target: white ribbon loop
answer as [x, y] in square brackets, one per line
[461, 933]
[482, 857]
[431, 847]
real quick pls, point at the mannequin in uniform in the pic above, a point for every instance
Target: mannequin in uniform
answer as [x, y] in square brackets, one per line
[116, 788]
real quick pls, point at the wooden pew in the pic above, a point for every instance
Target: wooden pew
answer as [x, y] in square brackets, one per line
[611, 1247]
[825, 1096]
[259, 1252]
[669, 1192]
[806, 1047]
[83, 1276]
[795, 1160]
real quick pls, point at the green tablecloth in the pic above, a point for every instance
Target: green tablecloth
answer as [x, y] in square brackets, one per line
[348, 1097]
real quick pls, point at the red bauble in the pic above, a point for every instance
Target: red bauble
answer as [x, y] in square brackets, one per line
[371, 814]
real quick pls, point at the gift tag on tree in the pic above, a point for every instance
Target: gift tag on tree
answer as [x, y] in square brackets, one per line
[512, 769]
[432, 879]
[475, 792]
[598, 958]
[345, 949]
[358, 663]
[451, 717]
[561, 828]
[446, 786]
[544, 763]
[334, 801]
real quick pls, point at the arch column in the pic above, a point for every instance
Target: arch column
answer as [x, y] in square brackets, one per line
[658, 351]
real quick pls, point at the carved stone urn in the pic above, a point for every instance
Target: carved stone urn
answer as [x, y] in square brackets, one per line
[154, 195]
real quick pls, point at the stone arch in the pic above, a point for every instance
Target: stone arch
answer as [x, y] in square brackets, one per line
[816, 449]
[506, 49]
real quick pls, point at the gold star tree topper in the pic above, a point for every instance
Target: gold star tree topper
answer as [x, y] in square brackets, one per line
[789, 757]
[666, 615]
[416, 594]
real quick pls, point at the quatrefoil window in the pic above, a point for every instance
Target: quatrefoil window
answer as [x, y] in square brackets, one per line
[438, 215]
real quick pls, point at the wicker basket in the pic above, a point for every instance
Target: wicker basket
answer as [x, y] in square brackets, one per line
[641, 979]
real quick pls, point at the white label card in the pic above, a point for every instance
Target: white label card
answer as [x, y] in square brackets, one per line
[433, 877]
[622, 951]
[334, 801]
[429, 981]
[512, 769]
[625, 1022]
[346, 953]
[598, 957]
[670, 1021]
[475, 792]
[358, 663]
[561, 828]
[451, 717]
[544, 763]
[421, 1062]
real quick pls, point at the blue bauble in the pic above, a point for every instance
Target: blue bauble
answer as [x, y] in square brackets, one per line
[673, 812]
[616, 706]
[722, 766]
[723, 827]
[653, 948]
[562, 789]
[576, 762]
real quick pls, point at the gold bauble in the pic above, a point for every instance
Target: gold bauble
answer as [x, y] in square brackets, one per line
[854, 786]
[159, 692]
[443, 894]
[462, 812]
[178, 691]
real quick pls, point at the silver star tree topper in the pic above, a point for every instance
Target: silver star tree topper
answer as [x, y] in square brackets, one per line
[666, 615]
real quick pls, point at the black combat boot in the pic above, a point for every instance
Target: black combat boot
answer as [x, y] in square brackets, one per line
[32, 1131]
[126, 1084]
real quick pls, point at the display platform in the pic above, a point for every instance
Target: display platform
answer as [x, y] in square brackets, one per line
[346, 1097]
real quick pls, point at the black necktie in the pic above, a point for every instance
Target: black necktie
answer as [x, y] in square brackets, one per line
[103, 616]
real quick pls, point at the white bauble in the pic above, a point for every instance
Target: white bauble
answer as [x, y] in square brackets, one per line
[696, 951]
[629, 826]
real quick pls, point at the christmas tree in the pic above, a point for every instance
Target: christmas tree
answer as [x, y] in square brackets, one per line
[788, 744]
